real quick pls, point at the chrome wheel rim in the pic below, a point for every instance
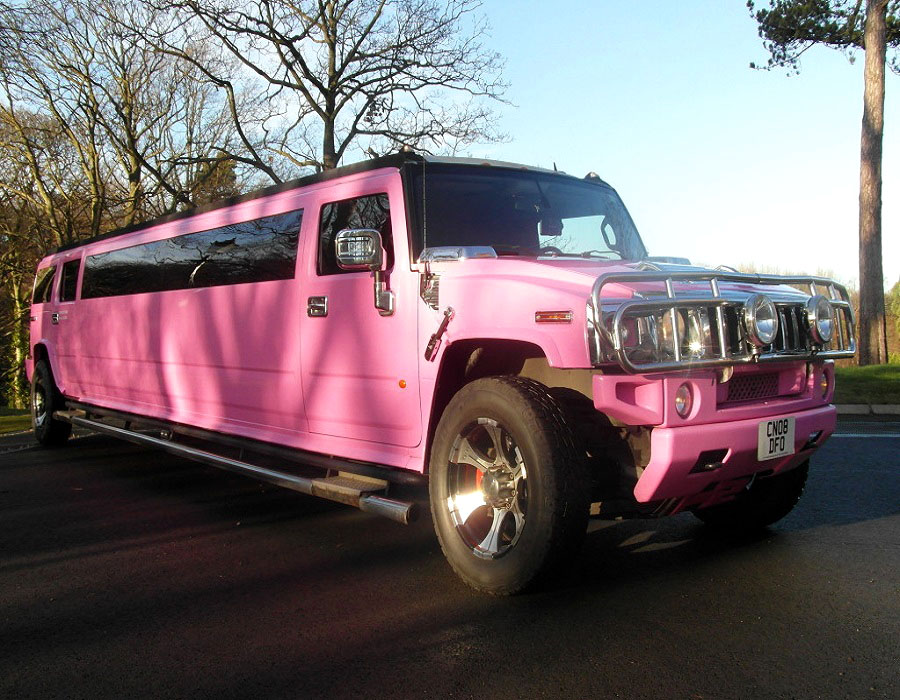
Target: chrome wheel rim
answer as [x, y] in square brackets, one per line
[39, 405]
[487, 488]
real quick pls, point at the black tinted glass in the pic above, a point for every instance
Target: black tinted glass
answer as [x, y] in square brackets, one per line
[520, 212]
[69, 282]
[371, 211]
[43, 285]
[251, 251]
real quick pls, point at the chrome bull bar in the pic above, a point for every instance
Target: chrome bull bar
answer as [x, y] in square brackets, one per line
[606, 326]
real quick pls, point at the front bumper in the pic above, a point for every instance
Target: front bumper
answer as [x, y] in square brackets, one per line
[675, 453]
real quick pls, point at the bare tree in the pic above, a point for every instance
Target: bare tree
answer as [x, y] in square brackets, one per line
[374, 74]
[97, 130]
[143, 125]
[24, 234]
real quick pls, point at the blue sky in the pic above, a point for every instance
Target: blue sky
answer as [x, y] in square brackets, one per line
[716, 162]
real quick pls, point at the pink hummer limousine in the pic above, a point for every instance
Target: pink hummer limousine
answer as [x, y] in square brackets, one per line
[493, 330]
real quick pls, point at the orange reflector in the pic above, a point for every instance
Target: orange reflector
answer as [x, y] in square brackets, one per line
[553, 317]
[402, 383]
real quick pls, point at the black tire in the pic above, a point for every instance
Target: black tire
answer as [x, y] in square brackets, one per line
[518, 530]
[45, 399]
[764, 502]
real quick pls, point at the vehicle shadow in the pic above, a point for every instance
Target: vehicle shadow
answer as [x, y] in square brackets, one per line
[164, 556]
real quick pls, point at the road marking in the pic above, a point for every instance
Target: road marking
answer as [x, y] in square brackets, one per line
[17, 448]
[865, 435]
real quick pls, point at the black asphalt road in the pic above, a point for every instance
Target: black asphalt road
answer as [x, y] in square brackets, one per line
[130, 573]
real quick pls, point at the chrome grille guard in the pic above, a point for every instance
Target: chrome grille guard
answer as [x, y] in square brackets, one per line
[607, 333]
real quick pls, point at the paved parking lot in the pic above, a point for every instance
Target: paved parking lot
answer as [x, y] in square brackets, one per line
[126, 572]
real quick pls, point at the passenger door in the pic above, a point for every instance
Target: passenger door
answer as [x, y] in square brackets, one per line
[68, 349]
[360, 368]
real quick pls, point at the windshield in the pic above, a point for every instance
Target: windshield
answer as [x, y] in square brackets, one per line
[521, 213]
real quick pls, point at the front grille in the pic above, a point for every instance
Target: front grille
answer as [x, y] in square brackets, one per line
[680, 318]
[792, 329]
[752, 387]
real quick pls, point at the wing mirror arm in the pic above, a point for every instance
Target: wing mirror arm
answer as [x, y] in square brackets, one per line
[384, 297]
[361, 249]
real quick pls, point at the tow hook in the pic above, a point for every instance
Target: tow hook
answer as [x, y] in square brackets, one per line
[435, 342]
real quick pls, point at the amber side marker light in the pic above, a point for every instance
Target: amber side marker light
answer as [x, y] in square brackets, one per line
[553, 316]
[824, 384]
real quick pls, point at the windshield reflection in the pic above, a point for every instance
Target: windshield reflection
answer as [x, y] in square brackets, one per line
[522, 213]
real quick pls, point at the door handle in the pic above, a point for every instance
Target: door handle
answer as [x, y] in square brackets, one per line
[54, 318]
[317, 306]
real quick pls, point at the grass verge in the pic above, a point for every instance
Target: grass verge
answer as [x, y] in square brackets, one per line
[879, 384]
[12, 420]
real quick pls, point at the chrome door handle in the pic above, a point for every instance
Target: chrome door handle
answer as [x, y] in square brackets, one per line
[54, 318]
[317, 306]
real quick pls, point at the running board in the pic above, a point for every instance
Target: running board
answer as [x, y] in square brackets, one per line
[345, 488]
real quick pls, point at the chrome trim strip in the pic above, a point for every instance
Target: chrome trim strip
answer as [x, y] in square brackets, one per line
[290, 455]
[453, 253]
[387, 507]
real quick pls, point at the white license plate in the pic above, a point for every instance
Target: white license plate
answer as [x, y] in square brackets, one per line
[776, 438]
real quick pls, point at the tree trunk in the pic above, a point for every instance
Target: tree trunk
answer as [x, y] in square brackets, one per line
[872, 328]
[329, 154]
[18, 390]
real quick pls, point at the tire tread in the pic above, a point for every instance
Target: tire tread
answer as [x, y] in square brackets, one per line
[572, 496]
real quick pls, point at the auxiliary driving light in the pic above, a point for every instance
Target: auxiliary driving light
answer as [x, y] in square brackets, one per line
[820, 315]
[684, 400]
[761, 320]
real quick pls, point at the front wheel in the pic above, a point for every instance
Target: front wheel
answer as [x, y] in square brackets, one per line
[45, 399]
[762, 503]
[508, 487]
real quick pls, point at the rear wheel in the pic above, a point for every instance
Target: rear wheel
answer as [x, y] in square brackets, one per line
[508, 487]
[45, 399]
[762, 503]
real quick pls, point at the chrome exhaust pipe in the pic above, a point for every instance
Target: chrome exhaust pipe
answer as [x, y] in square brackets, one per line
[398, 511]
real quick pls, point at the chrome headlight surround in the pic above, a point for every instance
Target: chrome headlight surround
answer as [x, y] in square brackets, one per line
[820, 317]
[760, 320]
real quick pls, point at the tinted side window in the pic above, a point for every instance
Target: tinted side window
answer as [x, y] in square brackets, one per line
[251, 251]
[68, 286]
[43, 285]
[371, 211]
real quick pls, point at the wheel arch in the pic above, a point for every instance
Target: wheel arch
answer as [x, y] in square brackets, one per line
[464, 361]
[42, 352]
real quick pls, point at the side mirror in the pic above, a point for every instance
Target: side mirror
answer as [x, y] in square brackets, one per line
[358, 249]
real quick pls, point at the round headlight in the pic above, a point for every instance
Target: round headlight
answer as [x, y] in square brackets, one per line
[820, 315]
[666, 324]
[761, 319]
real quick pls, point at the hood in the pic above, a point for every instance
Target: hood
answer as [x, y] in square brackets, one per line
[577, 276]
[550, 301]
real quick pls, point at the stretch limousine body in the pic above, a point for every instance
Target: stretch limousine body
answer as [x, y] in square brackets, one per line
[495, 331]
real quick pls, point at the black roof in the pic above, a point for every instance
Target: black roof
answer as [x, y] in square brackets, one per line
[394, 160]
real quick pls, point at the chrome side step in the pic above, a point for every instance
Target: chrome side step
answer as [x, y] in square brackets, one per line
[345, 488]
